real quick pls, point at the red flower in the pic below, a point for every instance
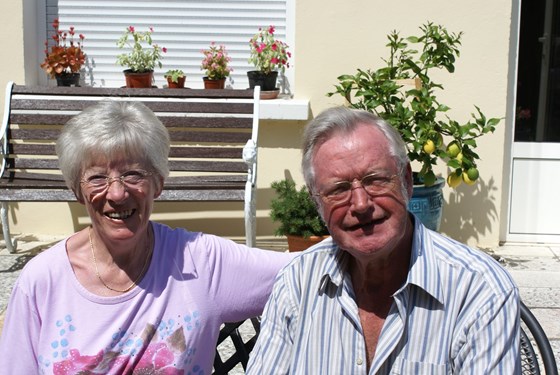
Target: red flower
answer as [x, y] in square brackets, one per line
[66, 55]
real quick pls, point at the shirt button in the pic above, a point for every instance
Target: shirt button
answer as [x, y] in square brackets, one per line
[359, 361]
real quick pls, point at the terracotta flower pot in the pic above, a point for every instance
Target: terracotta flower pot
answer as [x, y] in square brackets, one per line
[297, 243]
[176, 85]
[214, 83]
[139, 80]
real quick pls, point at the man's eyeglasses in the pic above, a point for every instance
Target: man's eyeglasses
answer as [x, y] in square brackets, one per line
[374, 184]
[130, 179]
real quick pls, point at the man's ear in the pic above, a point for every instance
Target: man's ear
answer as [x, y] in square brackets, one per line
[408, 180]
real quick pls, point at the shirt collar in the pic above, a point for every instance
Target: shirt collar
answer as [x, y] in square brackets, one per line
[335, 266]
[422, 272]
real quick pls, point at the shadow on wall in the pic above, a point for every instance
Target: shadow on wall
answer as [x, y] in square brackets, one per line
[470, 211]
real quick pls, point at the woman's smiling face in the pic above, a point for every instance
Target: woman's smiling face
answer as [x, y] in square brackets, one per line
[120, 211]
[365, 224]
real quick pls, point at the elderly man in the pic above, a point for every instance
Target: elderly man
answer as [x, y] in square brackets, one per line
[384, 294]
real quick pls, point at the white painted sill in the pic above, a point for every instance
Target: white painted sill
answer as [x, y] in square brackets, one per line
[284, 109]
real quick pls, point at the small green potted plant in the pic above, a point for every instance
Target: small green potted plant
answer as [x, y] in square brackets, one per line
[175, 78]
[269, 55]
[297, 215]
[215, 62]
[142, 59]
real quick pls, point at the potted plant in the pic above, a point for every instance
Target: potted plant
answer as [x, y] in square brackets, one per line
[403, 93]
[215, 63]
[175, 78]
[269, 55]
[297, 214]
[143, 57]
[65, 58]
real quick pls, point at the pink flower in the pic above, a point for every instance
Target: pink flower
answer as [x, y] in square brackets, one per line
[164, 50]
[77, 363]
[131, 29]
[271, 29]
[158, 359]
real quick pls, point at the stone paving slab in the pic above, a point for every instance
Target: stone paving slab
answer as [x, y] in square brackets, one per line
[536, 270]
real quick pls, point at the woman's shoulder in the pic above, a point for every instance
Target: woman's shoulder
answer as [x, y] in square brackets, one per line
[50, 262]
[53, 256]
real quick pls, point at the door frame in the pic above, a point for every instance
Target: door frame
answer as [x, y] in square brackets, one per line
[521, 151]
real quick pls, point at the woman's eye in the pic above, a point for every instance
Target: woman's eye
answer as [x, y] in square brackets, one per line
[97, 180]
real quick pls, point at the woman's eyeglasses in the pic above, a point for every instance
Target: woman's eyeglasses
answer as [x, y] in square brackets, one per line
[130, 179]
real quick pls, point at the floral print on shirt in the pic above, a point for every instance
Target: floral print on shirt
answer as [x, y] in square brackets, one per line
[156, 350]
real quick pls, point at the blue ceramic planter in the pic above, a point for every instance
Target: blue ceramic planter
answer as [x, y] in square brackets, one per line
[427, 203]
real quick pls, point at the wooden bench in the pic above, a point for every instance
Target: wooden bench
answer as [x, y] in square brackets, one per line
[213, 144]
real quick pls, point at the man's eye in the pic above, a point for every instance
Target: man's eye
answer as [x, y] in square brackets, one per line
[374, 181]
[338, 189]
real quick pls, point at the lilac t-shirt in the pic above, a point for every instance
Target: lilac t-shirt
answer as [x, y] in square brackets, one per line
[168, 324]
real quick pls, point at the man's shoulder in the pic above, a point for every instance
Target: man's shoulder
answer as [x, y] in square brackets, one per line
[467, 260]
[312, 263]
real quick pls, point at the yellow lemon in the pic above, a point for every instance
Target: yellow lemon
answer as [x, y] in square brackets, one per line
[467, 180]
[459, 157]
[454, 180]
[453, 149]
[429, 146]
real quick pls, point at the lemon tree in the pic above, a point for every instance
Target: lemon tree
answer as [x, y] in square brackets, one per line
[430, 134]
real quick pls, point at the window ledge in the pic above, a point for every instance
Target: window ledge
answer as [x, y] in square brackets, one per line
[284, 109]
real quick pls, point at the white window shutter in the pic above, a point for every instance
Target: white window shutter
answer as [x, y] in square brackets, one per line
[183, 27]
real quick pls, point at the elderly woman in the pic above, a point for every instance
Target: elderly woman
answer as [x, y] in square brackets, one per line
[127, 295]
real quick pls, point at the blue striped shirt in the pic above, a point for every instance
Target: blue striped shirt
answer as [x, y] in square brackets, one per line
[457, 313]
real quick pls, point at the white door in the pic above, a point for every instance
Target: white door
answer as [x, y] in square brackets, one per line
[535, 183]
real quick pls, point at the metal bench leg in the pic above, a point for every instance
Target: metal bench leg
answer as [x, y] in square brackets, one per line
[10, 245]
[250, 216]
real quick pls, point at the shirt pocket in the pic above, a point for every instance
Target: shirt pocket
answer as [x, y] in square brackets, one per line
[406, 367]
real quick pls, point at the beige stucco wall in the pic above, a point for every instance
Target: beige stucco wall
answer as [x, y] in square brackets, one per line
[332, 38]
[335, 38]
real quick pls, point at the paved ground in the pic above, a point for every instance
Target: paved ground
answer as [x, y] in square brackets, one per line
[535, 268]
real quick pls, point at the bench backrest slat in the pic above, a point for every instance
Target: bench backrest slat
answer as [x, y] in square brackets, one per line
[176, 121]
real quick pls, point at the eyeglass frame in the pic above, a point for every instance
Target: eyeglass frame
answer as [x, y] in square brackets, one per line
[109, 180]
[329, 200]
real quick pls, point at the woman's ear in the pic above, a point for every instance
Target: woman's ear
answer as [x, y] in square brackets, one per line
[79, 197]
[159, 186]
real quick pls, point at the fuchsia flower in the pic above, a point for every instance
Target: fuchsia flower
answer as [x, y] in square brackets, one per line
[145, 55]
[216, 62]
[268, 53]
